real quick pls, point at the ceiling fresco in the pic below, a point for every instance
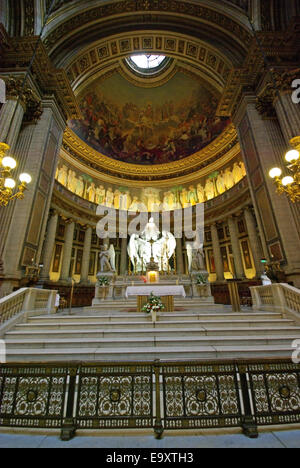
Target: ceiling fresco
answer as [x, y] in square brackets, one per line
[148, 126]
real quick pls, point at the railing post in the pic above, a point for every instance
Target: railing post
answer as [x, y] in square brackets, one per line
[158, 426]
[248, 423]
[68, 428]
[51, 302]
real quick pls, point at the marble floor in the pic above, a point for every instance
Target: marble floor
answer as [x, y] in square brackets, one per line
[275, 439]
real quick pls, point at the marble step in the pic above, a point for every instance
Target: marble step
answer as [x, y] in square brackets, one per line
[150, 331]
[162, 317]
[148, 353]
[144, 342]
[81, 323]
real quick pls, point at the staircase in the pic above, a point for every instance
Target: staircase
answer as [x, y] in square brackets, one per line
[113, 332]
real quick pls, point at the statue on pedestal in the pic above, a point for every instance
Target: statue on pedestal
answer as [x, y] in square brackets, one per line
[107, 259]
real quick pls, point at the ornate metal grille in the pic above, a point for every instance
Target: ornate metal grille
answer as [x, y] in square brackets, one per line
[115, 397]
[32, 396]
[201, 396]
[191, 395]
[275, 389]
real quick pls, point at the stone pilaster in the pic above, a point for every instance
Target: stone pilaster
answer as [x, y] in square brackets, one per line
[124, 257]
[179, 256]
[49, 245]
[238, 262]
[11, 117]
[68, 245]
[254, 241]
[86, 255]
[217, 253]
[288, 114]
[263, 147]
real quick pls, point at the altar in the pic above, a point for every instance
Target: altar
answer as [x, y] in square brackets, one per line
[166, 293]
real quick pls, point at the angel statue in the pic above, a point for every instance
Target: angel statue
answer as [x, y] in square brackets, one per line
[107, 259]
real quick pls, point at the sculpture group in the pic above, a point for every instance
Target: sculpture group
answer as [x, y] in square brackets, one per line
[151, 199]
[151, 244]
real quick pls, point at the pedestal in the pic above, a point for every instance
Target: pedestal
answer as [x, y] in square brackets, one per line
[104, 292]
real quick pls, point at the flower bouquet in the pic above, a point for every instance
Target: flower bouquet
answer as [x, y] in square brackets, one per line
[153, 306]
[103, 281]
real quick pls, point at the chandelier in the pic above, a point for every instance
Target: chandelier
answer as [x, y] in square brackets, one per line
[8, 191]
[7, 183]
[289, 184]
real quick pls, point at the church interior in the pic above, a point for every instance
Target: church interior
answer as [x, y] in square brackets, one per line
[149, 213]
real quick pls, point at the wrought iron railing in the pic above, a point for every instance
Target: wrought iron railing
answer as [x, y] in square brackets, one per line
[160, 395]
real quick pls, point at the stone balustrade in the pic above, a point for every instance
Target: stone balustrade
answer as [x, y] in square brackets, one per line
[279, 297]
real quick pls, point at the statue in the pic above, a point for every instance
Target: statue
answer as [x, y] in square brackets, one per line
[196, 258]
[150, 244]
[106, 260]
[151, 232]
[112, 257]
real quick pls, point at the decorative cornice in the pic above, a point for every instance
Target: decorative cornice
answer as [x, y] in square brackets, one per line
[214, 151]
[48, 79]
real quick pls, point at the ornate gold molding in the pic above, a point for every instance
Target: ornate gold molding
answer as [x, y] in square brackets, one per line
[222, 144]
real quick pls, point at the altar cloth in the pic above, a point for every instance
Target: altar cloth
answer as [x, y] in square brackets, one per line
[146, 290]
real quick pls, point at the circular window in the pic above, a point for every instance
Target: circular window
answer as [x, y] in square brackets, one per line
[148, 64]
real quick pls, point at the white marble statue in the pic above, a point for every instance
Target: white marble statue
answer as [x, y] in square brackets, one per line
[107, 259]
[140, 249]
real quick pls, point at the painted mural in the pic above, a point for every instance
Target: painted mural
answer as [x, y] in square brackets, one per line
[149, 198]
[148, 126]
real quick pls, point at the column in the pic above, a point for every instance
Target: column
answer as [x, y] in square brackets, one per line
[217, 253]
[65, 269]
[37, 149]
[49, 245]
[238, 262]
[11, 117]
[288, 114]
[86, 255]
[254, 241]
[123, 263]
[179, 256]
[263, 147]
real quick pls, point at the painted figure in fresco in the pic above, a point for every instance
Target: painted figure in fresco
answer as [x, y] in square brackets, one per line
[157, 131]
[228, 179]
[200, 193]
[192, 196]
[109, 200]
[79, 187]
[117, 196]
[134, 205]
[128, 200]
[237, 173]
[209, 189]
[221, 183]
[243, 169]
[71, 175]
[100, 195]
[63, 175]
[91, 192]
[184, 198]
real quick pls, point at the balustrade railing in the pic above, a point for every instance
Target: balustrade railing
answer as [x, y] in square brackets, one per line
[277, 297]
[27, 301]
[158, 395]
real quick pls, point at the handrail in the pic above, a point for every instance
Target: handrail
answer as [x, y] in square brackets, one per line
[23, 303]
[279, 297]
